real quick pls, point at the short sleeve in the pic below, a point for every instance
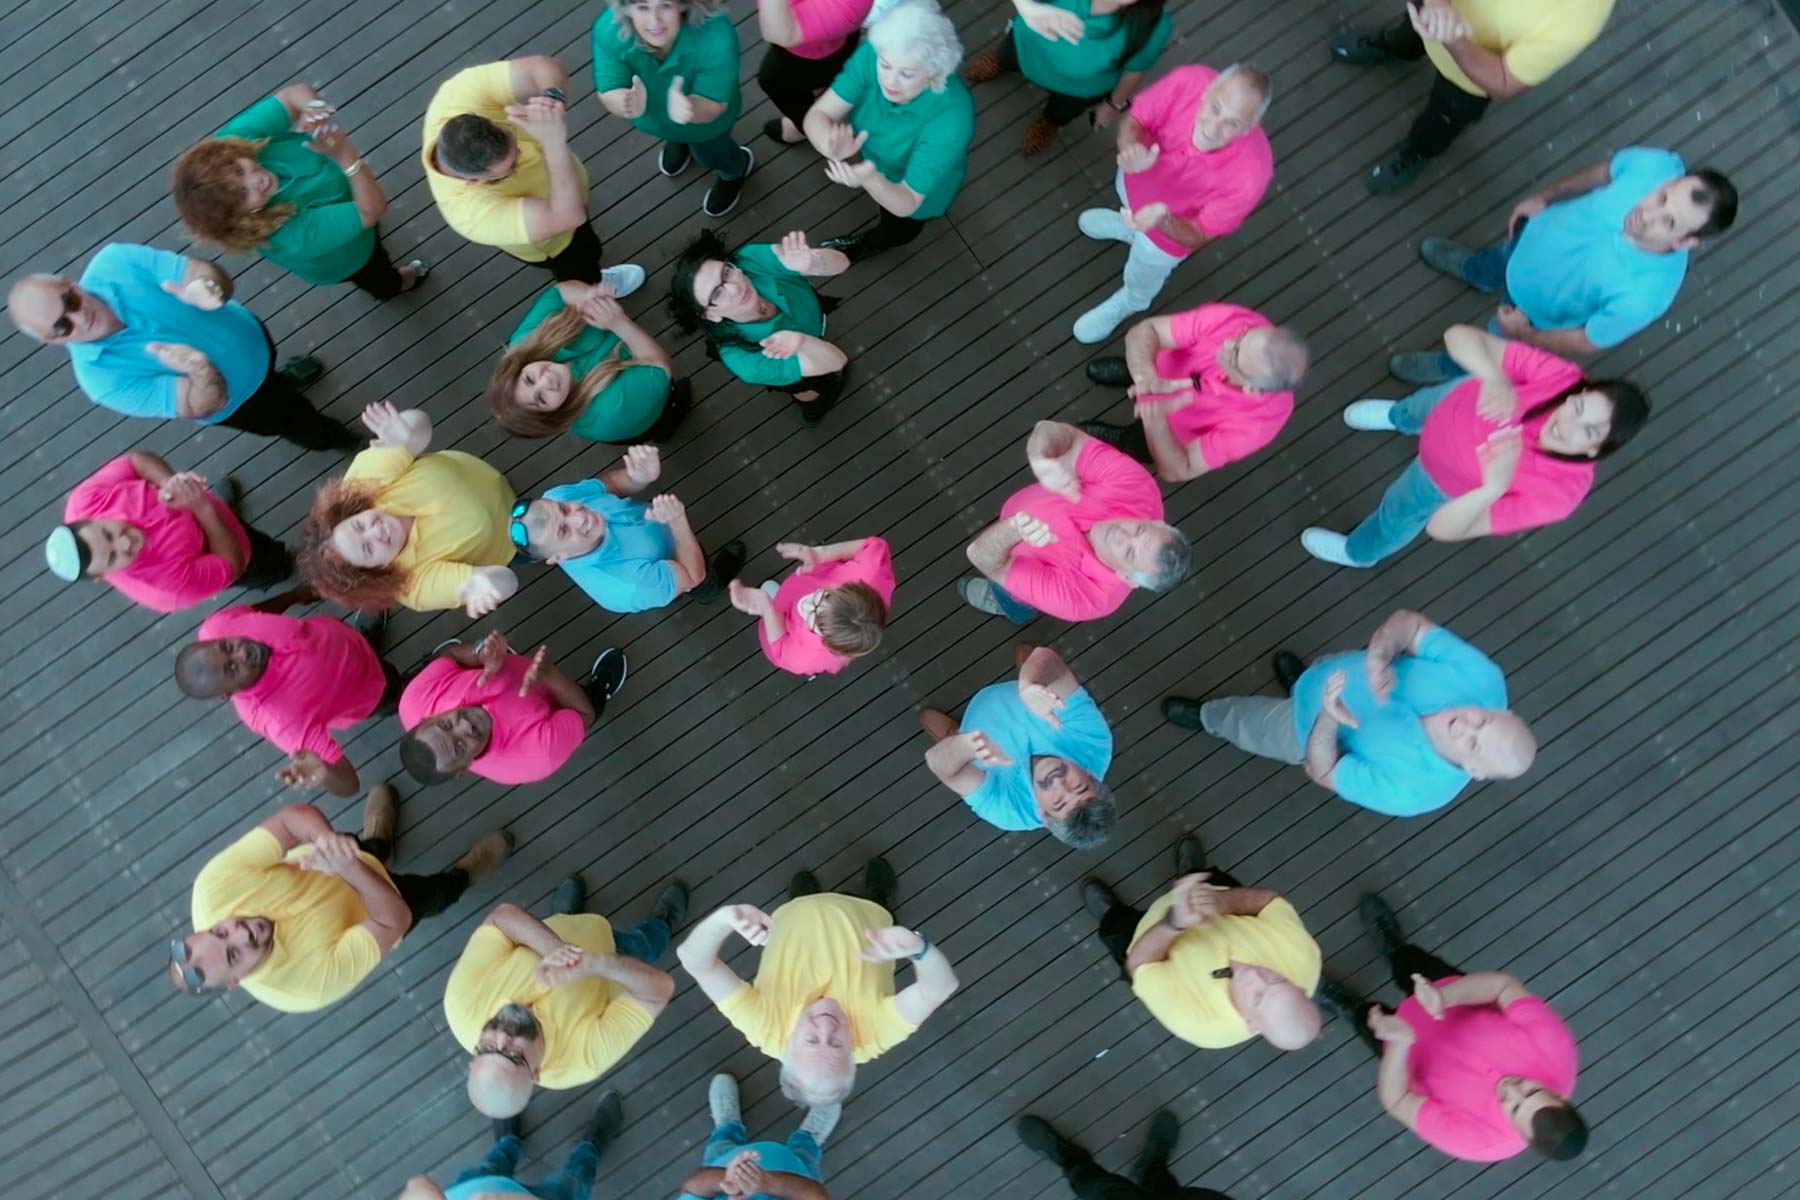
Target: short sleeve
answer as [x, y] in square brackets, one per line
[853, 82]
[264, 119]
[317, 231]
[873, 563]
[635, 585]
[1153, 46]
[1362, 782]
[435, 586]
[1441, 646]
[751, 1014]
[602, 1039]
[163, 266]
[610, 71]
[1055, 588]
[1150, 107]
[1084, 736]
[1226, 209]
[629, 404]
[230, 873]
[942, 146]
[464, 1011]
[1457, 1133]
[1113, 479]
[84, 496]
[1548, 497]
[1524, 364]
[378, 466]
[347, 964]
[547, 305]
[751, 365]
[201, 576]
[1647, 163]
[888, 1029]
[717, 77]
[1539, 1022]
[1554, 45]
[762, 256]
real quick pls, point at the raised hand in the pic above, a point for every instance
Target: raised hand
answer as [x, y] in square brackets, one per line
[850, 174]
[542, 118]
[1195, 902]
[983, 750]
[333, 854]
[887, 945]
[316, 115]
[1139, 156]
[666, 510]
[485, 589]
[601, 309]
[750, 923]
[783, 343]
[1043, 702]
[1390, 1028]
[842, 142]
[643, 464]
[202, 293]
[744, 1175]
[1499, 457]
[1032, 531]
[492, 652]
[1334, 700]
[636, 100]
[386, 422]
[1429, 998]
[1052, 23]
[747, 599]
[795, 253]
[806, 556]
[563, 965]
[304, 769]
[681, 105]
[534, 668]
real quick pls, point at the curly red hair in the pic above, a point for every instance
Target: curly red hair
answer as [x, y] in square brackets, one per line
[325, 570]
[204, 185]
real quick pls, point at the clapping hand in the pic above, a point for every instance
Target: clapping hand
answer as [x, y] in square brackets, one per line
[534, 668]
[1428, 996]
[202, 293]
[184, 490]
[783, 343]
[887, 945]
[643, 464]
[304, 769]
[484, 590]
[743, 1175]
[1390, 1028]
[1043, 702]
[681, 105]
[1499, 457]
[1195, 901]
[795, 254]
[601, 309]
[983, 750]
[1138, 156]
[806, 556]
[666, 510]
[1032, 531]
[563, 965]
[747, 599]
[492, 652]
[1334, 705]
[542, 118]
[316, 115]
[750, 923]
[850, 174]
[333, 854]
[842, 142]
[1146, 218]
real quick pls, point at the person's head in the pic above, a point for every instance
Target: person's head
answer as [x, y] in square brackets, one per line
[208, 670]
[656, 23]
[707, 286]
[441, 747]
[1486, 743]
[819, 1065]
[1592, 419]
[1145, 554]
[1274, 1008]
[476, 149]
[508, 1051]
[558, 530]
[1076, 808]
[1233, 105]
[1544, 1118]
[1269, 358]
[850, 619]
[916, 48]
[348, 547]
[91, 549]
[532, 395]
[55, 310]
[1681, 212]
[222, 194]
[216, 959]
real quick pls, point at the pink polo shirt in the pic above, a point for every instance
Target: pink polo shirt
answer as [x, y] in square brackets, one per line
[322, 675]
[1228, 422]
[801, 650]
[1544, 489]
[532, 736]
[1455, 1064]
[825, 25]
[1066, 578]
[1214, 189]
[174, 569]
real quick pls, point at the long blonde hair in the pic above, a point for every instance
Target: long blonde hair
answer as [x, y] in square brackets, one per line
[555, 333]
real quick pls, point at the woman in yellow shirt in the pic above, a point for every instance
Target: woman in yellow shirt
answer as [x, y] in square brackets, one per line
[426, 531]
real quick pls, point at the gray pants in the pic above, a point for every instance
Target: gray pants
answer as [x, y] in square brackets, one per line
[1259, 725]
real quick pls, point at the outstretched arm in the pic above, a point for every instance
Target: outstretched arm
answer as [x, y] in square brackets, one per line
[699, 951]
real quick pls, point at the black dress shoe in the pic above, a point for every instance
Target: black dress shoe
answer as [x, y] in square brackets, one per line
[880, 883]
[771, 129]
[813, 411]
[1379, 918]
[721, 569]
[671, 907]
[608, 1119]
[1190, 856]
[804, 883]
[302, 370]
[1097, 898]
[674, 158]
[504, 1127]
[850, 243]
[1288, 669]
[570, 898]
[1395, 171]
[1109, 372]
[1129, 438]
[1362, 48]
[1159, 1143]
[1182, 712]
[1339, 1001]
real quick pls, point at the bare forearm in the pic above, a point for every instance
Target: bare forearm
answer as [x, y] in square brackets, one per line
[1170, 457]
[1485, 68]
[1182, 231]
[200, 268]
[1398, 634]
[1481, 988]
[1390, 1085]
[150, 468]
[341, 778]
[568, 203]
[819, 357]
[1045, 668]
[522, 929]
[1582, 182]
[776, 20]
[1125, 89]
[935, 977]
[368, 195]
[1244, 901]
[566, 692]
[644, 348]
[897, 198]
[1153, 947]
[839, 551]
[1476, 351]
[704, 110]
[200, 392]
[220, 540]
[1141, 348]
[650, 987]
[1465, 516]
[1569, 343]
[774, 625]
[379, 898]
[688, 555]
[948, 757]
[297, 824]
[537, 74]
[1322, 750]
[990, 552]
[707, 938]
[1130, 133]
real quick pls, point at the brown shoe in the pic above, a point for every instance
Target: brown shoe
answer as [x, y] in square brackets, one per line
[1040, 135]
[485, 856]
[1021, 652]
[381, 815]
[982, 67]
[936, 723]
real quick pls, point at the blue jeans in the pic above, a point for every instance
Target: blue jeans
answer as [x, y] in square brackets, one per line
[729, 1138]
[646, 941]
[1011, 607]
[573, 1182]
[1409, 501]
[1485, 269]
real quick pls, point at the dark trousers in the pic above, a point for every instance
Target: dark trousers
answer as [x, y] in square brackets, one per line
[579, 260]
[389, 704]
[379, 276]
[425, 895]
[792, 83]
[269, 563]
[889, 233]
[1059, 109]
[279, 409]
[573, 1182]
[1089, 1181]
[829, 387]
[1406, 961]
[1448, 109]
[723, 156]
[1120, 923]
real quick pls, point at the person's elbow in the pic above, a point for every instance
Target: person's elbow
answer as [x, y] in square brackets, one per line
[537, 72]
[295, 97]
[1507, 87]
[501, 912]
[303, 811]
[657, 993]
[946, 987]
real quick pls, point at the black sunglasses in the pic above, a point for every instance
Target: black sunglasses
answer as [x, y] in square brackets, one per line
[192, 977]
[71, 303]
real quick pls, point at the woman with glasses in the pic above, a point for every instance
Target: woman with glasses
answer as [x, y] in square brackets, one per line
[425, 531]
[760, 316]
[577, 364]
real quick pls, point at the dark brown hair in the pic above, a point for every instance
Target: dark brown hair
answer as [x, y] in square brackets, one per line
[851, 619]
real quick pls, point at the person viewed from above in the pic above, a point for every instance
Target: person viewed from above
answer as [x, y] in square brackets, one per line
[1509, 447]
[497, 1174]
[577, 364]
[1400, 728]
[628, 555]
[807, 43]
[1211, 385]
[1090, 55]
[734, 1166]
[760, 316]
[493, 713]
[670, 67]
[282, 179]
[1078, 541]
[1193, 164]
[152, 334]
[160, 536]
[1089, 1181]
[425, 531]
[1030, 754]
[828, 613]
[897, 123]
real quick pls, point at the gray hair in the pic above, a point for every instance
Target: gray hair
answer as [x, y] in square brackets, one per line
[1288, 359]
[803, 1093]
[1173, 558]
[693, 13]
[918, 29]
[1257, 78]
[1090, 825]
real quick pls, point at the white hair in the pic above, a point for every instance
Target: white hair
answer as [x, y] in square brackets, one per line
[807, 1094]
[1257, 78]
[917, 30]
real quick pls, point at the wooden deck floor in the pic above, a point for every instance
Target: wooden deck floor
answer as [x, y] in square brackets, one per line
[1644, 875]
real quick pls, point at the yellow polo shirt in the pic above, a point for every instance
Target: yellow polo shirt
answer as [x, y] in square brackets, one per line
[1182, 992]
[815, 950]
[321, 949]
[493, 213]
[588, 1025]
[460, 508]
[1536, 38]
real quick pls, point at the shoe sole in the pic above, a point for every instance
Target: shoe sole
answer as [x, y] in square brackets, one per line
[594, 671]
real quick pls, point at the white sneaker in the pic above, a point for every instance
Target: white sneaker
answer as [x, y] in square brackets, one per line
[821, 1121]
[1372, 416]
[722, 1099]
[1104, 225]
[1098, 323]
[1327, 546]
[625, 278]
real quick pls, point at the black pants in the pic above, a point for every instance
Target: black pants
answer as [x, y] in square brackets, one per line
[1406, 961]
[279, 409]
[389, 704]
[829, 387]
[580, 259]
[270, 562]
[425, 895]
[1091, 1182]
[792, 83]
[890, 232]
[1059, 109]
[1448, 109]
[379, 276]
[1120, 923]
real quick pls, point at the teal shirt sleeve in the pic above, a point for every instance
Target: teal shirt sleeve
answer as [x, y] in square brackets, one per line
[610, 71]
[751, 365]
[547, 305]
[717, 79]
[317, 231]
[942, 150]
[266, 118]
[853, 82]
[1365, 784]
[1152, 49]
[626, 407]
[1485, 682]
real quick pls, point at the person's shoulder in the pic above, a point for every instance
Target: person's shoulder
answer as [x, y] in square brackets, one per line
[718, 31]
[586, 491]
[1648, 166]
[225, 620]
[119, 262]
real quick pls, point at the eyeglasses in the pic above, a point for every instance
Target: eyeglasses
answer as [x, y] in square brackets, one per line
[71, 303]
[515, 527]
[725, 274]
[511, 1056]
[192, 977]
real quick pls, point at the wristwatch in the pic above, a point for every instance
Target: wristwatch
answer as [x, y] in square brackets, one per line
[924, 946]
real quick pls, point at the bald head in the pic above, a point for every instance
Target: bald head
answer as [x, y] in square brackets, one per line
[34, 303]
[1512, 748]
[497, 1087]
[1289, 1019]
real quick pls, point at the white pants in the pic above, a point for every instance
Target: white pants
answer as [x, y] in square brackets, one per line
[1148, 266]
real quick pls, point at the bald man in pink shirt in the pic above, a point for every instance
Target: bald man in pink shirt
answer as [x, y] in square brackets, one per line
[1193, 163]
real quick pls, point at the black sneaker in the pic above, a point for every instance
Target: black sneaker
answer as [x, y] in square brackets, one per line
[723, 195]
[1130, 439]
[721, 569]
[374, 628]
[1288, 668]
[1361, 48]
[1382, 923]
[570, 898]
[302, 370]
[607, 675]
[850, 243]
[1109, 372]
[1190, 856]
[880, 884]
[608, 1119]
[1097, 898]
[1339, 1002]
[505, 1127]
[674, 158]
[671, 907]
[804, 883]
[1040, 1138]
[1177, 710]
[1395, 171]
[1159, 1143]
[771, 129]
